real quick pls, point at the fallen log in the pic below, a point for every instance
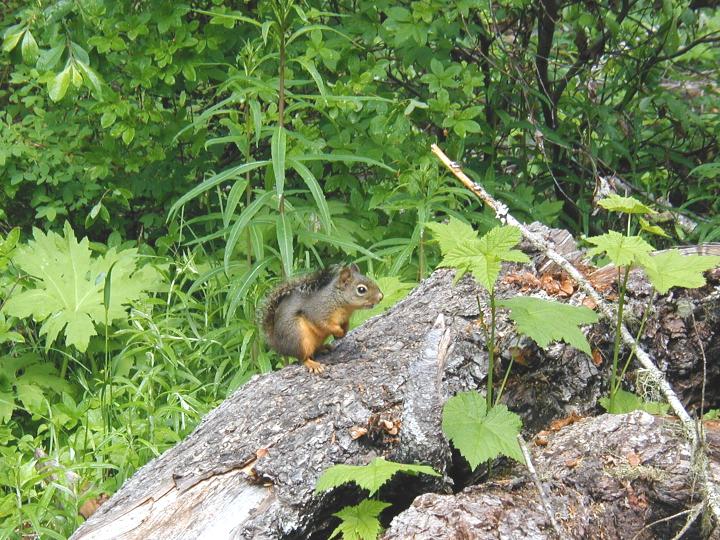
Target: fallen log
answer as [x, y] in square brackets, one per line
[249, 468]
[614, 476]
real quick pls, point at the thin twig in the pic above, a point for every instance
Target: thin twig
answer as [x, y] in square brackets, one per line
[541, 491]
[608, 311]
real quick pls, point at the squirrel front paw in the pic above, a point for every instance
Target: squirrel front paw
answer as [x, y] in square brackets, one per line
[313, 366]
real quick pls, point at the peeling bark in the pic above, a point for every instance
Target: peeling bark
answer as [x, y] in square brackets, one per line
[614, 476]
[249, 469]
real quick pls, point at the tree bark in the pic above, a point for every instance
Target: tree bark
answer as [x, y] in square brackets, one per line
[250, 467]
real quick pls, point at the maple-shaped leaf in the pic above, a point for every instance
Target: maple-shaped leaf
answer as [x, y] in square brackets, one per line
[626, 205]
[545, 321]
[673, 269]
[480, 435]
[360, 522]
[621, 250]
[449, 235]
[69, 282]
[482, 257]
[371, 476]
[626, 402]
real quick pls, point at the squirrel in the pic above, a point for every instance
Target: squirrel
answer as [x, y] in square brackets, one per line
[301, 314]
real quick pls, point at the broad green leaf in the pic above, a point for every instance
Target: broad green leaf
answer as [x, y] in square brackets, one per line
[49, 59]
[29, 48]
[622, 250]
[626, 402]
[467, 257]
[673, 269]
[360, 522]
[7, 406]
[278, 147]
[93, 80]
[646, 226]
[449, 235]
[285, 242]
[626, 205]
[371, 476]
[31, 396]
[58, 85]
[478, 435]
[545, 321]
[256, 114]
[68, 292]
[499, 242]
[12, 36]
[316, 191]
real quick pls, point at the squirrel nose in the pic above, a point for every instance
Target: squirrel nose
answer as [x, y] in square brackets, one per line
[381, 296]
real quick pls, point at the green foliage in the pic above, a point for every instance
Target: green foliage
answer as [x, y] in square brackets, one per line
[625, 205]
[360, 522]
[371, 476]
[621, 250]
[626, 402]
[482, 257]
[481, 435]
[545, 321]
[68, 292]
[672, 269]
[712, 414]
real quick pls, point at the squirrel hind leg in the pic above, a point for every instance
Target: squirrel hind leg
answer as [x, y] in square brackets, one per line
[313, 366]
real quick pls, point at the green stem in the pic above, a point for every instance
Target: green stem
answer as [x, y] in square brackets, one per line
[505, 378]
[637, 339]
[491, 354]
[614, 383]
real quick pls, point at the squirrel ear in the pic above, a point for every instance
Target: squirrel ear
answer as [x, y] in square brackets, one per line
[345, 275]
[354, 268]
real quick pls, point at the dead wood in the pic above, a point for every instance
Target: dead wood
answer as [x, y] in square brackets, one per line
[613, 476]
[249, 469]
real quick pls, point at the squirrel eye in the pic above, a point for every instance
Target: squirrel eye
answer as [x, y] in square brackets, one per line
[361, 289]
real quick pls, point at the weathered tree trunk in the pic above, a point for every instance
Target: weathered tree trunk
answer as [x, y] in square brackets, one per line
[249, 469]
[614, 476]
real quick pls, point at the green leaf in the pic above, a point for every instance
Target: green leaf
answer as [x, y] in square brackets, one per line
[213, 181]
[317, 192]
[646, 226]
[277, 152]
[49, 59]
[545, 321]
[622, 250]
[707, 170]
[12, 36]
[67, 295]
[672, 269]
[371, 476]
[245, 217]
[29, 48]
[31, 396]
[625, 205]
[626, 402]
[482, 257]
[93, 80]
[480, 435]
[58, 85]
[285, 242]
[360, 522]
[7, 406]
[450, 235]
